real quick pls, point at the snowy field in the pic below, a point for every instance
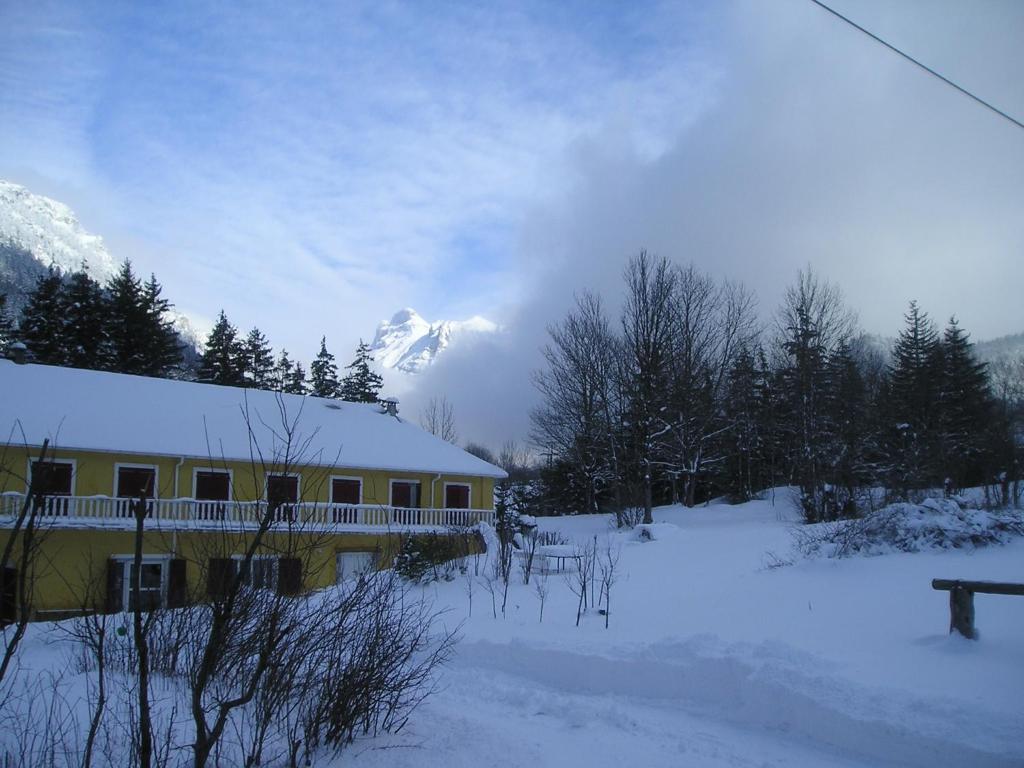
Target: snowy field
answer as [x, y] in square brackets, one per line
[713, 659]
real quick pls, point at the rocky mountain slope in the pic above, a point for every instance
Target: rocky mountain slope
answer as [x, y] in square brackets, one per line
[410, 344]
[37, 233]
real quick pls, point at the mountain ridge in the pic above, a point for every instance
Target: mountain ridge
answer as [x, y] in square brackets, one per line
[38, 233]
[409, 343]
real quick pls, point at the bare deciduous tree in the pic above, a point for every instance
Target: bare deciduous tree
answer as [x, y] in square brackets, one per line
[439, 419]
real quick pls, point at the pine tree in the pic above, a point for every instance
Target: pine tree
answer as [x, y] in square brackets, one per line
[161, 348]
[42, 321]
[911, 404]
[323, 373]
[362, 385]
[126, 319]
[742, 468]
[965, 409]
[259, 361]
[282, 371]
[85, 323]
[6, 325]
[221, 363]
[804, 385]
[297, 384]
[849, 426]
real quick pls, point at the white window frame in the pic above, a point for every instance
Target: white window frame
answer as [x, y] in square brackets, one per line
[127, 561]
[239, 559]
[467, 486]
[340, 575]
[298, 487]
[391, 490]
[119, 465]
[231, 481]
[359, 480]
[72, 462]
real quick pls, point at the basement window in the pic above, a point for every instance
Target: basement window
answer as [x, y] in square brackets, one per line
[161, 583]
[352, 565]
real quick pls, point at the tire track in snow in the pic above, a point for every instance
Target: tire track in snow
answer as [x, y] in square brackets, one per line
[768, 694]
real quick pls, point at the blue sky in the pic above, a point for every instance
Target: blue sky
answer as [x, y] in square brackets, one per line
[312, 168]
[364, 155]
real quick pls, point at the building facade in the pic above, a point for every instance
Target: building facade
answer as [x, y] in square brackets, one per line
[329, 487]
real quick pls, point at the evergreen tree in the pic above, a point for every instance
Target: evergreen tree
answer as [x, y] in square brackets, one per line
[744, 409]
[362, 385]
[259, 361]
[912, 403]
[221, 363]
[850, 431]
[42, 320]
[85, 323]
[161, 348]
[6, 325]
[297, 384]
[282, 371]
[965, 409]
[323, 373]
[126, 317]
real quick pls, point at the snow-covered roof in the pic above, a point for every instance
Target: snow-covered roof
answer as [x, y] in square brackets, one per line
[99, 411]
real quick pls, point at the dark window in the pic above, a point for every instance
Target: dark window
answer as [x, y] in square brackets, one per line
[122, 592]
[148, 594]
[282, 489]
[52, 478]
[282, 574]
[261, 574]
[177, 584]
[456, 497]
[405, 494]
[345, 491]
[213, 486]
[290, 579]
[133, 482]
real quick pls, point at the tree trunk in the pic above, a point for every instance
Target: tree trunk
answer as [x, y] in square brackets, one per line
[648, 505]
[141, 643]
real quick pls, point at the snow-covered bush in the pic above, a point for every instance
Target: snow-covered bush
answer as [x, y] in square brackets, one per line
[933, 524]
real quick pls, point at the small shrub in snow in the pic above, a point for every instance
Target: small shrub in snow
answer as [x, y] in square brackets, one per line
[933, 524]
[435, 556]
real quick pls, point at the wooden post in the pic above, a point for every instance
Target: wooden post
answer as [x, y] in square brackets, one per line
[961, 611]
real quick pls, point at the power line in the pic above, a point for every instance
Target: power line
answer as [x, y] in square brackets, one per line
[925, 67]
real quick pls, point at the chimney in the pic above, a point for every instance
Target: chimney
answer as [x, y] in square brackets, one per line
[18, 353]
[390, 405]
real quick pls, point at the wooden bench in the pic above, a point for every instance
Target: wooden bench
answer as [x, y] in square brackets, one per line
[961, 600]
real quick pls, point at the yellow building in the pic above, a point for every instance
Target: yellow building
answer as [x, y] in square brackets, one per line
[334, 485]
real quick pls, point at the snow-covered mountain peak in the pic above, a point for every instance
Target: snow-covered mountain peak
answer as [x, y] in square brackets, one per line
[51, 232]
[410, 344]
[36, 230]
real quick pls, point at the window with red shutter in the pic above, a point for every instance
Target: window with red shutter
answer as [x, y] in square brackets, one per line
[345, 491]
[405, 493]
[213, 486]
[52, 478]
[282, 489]
[133, 482]
[456, 497]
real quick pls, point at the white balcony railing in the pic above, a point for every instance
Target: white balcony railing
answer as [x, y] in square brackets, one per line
[108, 511]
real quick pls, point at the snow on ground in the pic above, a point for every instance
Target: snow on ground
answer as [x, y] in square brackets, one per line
[714, 659]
